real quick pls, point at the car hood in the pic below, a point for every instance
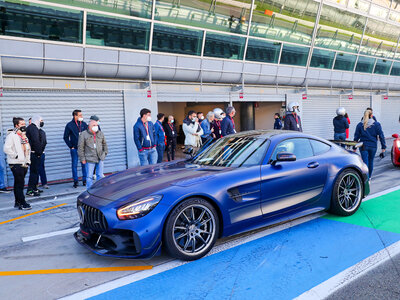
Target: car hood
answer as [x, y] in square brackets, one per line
[136, 183]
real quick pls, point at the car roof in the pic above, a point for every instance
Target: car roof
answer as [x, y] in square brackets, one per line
[269, 133]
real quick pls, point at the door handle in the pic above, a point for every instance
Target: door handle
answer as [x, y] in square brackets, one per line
[312, 165]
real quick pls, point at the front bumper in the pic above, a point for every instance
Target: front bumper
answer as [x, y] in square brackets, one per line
[121, 244]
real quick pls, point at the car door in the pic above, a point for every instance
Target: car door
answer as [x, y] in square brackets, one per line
[289, 185]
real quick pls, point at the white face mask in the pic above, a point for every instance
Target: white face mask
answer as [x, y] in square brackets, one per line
[95, 128]
[148, 119]
[172, 121]
[202, 118]
[80, 119]
[194, 119]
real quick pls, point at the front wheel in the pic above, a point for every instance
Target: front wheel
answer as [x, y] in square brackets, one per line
[347, 193]
[191, 229]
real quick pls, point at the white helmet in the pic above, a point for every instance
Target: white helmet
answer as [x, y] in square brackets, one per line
[218, 113]
[291, 106]
[341, 111]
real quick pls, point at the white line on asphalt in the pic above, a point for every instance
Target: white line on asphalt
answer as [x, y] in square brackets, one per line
[384, 192]
[49, 234]
[176, 263]
[338, 281]
[42, 202]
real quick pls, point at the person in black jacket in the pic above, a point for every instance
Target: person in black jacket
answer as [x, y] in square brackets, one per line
[72, 131]
[278, 121]
[292, 119]
[340, 125]
[42, 170]
[33, 135]
[170, 132]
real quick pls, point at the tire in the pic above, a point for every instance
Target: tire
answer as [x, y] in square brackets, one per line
[392, 158]
[187, 236]
[347, 193]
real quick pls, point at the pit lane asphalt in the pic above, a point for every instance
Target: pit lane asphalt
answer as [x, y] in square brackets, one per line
[62, 252]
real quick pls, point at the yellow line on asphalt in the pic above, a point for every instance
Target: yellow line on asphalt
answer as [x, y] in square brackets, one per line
[31, 214]
[82, 270]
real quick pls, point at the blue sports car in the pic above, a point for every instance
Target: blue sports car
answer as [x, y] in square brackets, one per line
[241, 182]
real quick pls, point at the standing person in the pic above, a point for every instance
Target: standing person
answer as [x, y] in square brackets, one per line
[72, 131]
[292, 120]
[43, 143]
[160, 137]
[92, 151]
[33, 135]
[348, 129]
[208, 130]
[200, 116]
[170, 131]
[278, 121]
[228, 124]
[192, 129]
[368, 131]
[144, 137]
[216, 124]
[18, 153]
[3, 188]
[340, 125]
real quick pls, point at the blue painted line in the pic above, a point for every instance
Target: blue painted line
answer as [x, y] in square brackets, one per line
[279, 266]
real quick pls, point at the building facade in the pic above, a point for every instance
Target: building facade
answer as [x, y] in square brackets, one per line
[113, 57]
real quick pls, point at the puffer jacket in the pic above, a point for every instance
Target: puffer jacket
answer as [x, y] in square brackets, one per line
[192, 131]
[15, 151]
[86, 150]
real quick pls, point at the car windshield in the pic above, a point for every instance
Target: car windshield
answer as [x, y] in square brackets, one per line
[233, 152]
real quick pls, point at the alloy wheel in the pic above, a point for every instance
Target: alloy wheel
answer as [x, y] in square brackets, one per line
[349, 192]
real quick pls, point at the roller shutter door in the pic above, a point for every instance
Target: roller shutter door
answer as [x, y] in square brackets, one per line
[390, 111]
[318, 113]
[56, 108]
[355, 108]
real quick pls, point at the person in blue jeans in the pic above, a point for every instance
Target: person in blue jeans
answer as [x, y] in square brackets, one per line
[3, 188]
[72, 132]
[368, 131]
[160, 137]
[340, 125]
[144, 138]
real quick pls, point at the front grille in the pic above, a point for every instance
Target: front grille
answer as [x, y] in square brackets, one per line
[93, 218]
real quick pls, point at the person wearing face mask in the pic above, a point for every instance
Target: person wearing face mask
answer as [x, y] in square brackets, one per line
[160, 137]
[228, 124]
[18, 151]
[200, 117]
[193, 131]
[72, 131]
[144, 137]
[171, 133]
[292, 119]
[216, 124]
[42, 169]
[92, 151]
[207, 128]
[33, 135]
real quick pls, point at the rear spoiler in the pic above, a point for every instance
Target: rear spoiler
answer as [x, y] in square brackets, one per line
[348, 144]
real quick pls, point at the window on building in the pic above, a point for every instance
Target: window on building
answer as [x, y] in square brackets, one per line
[137, 8]
[395, 69]
[117, 32]
[345, 62]
[177, 40]
[365, 64]
[382, 66]
[224, 46]
[291, 20]
[264, 51]
[294, 55]
[340, 30]
[322, 59]
[228, 16]
[41, 22]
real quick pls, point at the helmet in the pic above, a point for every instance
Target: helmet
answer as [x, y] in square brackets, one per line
[341, 111]
[218, 113]
[291, 106]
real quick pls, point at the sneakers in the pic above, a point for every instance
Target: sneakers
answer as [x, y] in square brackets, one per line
[25, 206]
[45, 186]
[75, 184]
[4, 190]
[32, 193]
[38, 191]
[84, 183]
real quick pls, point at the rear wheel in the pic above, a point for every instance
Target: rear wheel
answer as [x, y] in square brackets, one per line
[393, 158]
[191, 229]
[347, 193]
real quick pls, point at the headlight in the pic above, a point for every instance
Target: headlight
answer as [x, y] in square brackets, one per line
[138, 208]
[398, 144]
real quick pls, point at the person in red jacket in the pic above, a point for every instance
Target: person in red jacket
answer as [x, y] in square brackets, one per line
[348, 129]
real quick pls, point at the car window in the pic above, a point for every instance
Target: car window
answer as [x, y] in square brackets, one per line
[319, 147]
[300, 147]
[234, 152]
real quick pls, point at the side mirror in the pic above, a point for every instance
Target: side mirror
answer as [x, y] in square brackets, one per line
[395, 135]
[284, 156]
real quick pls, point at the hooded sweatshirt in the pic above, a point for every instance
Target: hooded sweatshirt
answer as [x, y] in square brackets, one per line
[370, 136]
[340, 124]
